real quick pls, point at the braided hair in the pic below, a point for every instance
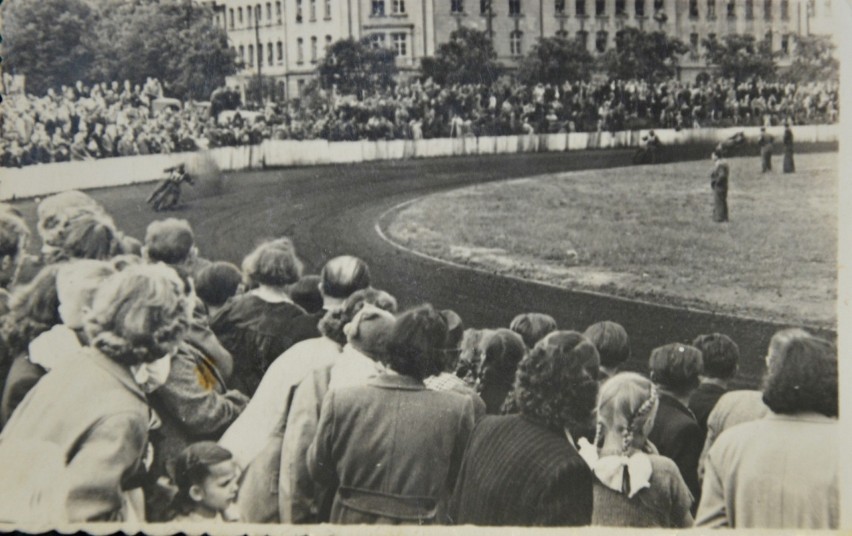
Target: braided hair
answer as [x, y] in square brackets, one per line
[627, 402]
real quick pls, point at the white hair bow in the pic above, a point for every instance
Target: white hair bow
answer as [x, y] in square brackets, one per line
[624, 474]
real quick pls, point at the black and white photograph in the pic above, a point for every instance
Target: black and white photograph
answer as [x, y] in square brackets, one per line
[357, 266]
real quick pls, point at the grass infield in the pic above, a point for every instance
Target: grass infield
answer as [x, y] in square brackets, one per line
[647, 232]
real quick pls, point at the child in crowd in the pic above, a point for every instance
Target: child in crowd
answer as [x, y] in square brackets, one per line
[613, 346]
[207, 481]
[216, 283]
[634, 486]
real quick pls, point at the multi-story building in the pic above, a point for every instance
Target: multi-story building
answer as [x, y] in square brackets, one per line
[286, 39]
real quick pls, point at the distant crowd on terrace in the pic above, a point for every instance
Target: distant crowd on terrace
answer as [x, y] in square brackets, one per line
[111, 119]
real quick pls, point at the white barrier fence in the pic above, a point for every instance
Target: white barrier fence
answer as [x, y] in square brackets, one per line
[45, 179]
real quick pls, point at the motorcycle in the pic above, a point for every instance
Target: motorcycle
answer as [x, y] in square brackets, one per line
[167, 195]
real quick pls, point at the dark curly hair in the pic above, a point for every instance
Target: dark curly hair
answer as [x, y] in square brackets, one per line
[34, 310]
[802, 376]
[556, 382]
[416, 343]
[332, 323]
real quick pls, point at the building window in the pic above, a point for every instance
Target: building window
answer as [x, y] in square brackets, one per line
[514, 7]
[785, 9]
[270, 57]
[300, 86]
[767, 9]
[693, 9]
[711, 37]
[562, 34]
[731, 9]
[640, 8]
[400, 44]
[749, 9]
[583, 38]
[298, 10]
[327, 41]
[484, 7]
[269, 11]
[251, 54]
[600, 41]
[693, 45]
[242, 53]
[231, 13]
[314, 50]
[240, 15]
[328, 9]
[767, 41]
[377, 40]
[785, 44]
[711, 9]
[619, 40]
[278, 11]
[559, 7]
[378, 8]
[398, 7]
[248, 14]
[300, 50]
[313, 10]
[600, 7]
[515, 39]
[659, 6]
[580, 8]
[280, 49]
[456, 6]
[620, 7]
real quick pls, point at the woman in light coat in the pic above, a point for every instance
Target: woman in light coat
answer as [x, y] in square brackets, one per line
[392, 448]
[92, 410]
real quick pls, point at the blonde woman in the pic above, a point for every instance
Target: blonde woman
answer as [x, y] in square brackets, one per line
[634, 486]
[92, 410]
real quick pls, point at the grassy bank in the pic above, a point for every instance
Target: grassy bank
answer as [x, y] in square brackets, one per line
[647, 232]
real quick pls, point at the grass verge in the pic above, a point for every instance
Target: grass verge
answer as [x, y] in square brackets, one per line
[647, 233]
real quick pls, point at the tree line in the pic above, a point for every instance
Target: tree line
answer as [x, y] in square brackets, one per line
[57, 42]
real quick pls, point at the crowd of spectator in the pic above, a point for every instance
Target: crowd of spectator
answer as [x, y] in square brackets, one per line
[143, 382]
[106, 120]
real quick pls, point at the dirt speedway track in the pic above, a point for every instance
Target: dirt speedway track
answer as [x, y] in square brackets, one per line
[332, 210]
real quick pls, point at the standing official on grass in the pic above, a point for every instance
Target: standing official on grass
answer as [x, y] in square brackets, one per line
[765, 142]
[719, 183]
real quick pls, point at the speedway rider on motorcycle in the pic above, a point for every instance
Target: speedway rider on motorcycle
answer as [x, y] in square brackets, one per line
[167, 195]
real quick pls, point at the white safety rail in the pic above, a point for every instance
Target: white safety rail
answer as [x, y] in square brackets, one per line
[42, 179]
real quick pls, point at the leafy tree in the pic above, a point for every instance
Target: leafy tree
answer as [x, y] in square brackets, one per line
[175, 42]
[553, 60]
[467, 58]
[814, 60]
[644, 55]
[55, 42]
[46, 41]
[739, 57]
[355, 67]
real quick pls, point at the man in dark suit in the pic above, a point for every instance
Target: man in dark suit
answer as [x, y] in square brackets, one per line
[720, 356]
[765, 142]
[675, 369]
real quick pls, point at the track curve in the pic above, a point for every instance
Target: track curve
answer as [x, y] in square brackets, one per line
[332, 210]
